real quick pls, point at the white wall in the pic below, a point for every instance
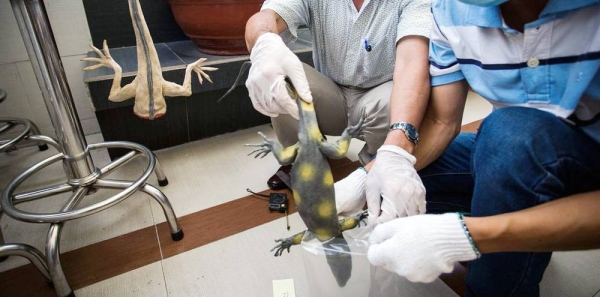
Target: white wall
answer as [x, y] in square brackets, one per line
[24, 99]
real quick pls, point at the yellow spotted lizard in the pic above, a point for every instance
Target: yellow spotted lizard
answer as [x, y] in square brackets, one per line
[312, 185]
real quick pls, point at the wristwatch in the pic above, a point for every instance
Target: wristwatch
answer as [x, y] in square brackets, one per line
[409, 130]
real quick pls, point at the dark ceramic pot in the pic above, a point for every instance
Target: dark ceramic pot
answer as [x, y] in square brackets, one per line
[216, 26]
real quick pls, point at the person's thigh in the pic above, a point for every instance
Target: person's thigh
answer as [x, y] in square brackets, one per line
[373, 107]
[448, 180]
[330, 107]
[524, 157]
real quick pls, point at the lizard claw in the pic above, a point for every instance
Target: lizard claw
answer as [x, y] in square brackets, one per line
[200, 70]
[356, 129]
[263, 149]
[284, 244]
[104, 59]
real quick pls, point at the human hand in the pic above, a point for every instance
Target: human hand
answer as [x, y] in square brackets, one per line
[350, 193]
[421, 247]
[272, 62]
[393, 187]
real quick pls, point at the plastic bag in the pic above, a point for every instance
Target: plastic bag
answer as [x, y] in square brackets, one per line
[364, 279]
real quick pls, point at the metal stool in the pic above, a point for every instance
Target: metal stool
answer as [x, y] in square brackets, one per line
[29, 131]
[83, 176]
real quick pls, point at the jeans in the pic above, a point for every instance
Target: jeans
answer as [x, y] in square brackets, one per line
[519, 158]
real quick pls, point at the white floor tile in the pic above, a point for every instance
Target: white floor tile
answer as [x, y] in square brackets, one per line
[213, 171]
[572, 274]
[147, 281]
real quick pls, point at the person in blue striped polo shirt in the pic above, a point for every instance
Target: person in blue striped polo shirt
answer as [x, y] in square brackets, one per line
[530, 176]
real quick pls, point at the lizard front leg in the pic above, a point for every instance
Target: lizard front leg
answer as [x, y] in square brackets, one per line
[286, 243]
[353, 221]
[340, 148]
[117, 94]
[173, 90]
[285, 156]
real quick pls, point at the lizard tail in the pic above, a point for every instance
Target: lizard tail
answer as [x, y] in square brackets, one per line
[339, 259]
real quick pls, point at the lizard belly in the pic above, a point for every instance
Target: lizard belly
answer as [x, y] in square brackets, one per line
[149, 101]
[312, 183]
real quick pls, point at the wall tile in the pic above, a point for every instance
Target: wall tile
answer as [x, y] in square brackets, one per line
[70, 27]
[12, 48]
[16, 103]
[33, 96]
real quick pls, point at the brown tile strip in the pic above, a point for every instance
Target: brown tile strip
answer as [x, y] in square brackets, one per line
[109, 258]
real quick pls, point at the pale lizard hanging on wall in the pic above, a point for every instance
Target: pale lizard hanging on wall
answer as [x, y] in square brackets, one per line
[149, 87]
[312, 185]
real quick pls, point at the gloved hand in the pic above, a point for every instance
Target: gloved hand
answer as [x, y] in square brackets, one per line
[393, 177]
[350, 193]
[272, 62]
[421, 247]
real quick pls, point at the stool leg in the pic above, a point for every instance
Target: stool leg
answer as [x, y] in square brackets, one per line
[28, 252]
[158, 195]
[61, 285]
[36, 131]
[160, 174]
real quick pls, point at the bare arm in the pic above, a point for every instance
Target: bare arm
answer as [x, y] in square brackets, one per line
[570, 223]
[410, 91]
[442, 121]
[263, 22]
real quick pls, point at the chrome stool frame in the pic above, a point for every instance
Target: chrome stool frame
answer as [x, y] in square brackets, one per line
[30, 131]
[83, 177]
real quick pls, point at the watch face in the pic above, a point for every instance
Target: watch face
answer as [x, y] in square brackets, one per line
[409, 130]
[412, 132]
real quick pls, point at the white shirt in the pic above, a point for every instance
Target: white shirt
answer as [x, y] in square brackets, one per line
[339, 33]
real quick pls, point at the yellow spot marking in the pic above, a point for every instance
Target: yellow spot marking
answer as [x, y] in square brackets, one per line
[287, 152]
[307, 106]
[348, 224]
[314, 132]
[307, 172]
[297, 198]
[322, 234]
[328, 179]
[325, 209]
[341, 145]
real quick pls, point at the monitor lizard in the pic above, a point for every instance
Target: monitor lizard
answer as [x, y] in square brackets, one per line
[312, 185]
[149, 87]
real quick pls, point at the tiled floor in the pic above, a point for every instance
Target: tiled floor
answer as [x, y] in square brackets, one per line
[209, 173]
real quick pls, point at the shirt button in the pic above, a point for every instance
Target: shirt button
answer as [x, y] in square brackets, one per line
[350, 52]
[533, 62]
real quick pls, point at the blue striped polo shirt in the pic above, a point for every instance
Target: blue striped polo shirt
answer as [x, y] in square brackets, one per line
[552, 66]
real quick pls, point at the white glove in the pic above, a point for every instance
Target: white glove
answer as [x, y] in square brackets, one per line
[350, 193]
[393, 177]
[272, 62]
[421, 247]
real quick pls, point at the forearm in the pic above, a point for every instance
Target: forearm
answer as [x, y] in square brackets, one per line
[262, 22]
[410, 91]
[442, 121]
[570, 223]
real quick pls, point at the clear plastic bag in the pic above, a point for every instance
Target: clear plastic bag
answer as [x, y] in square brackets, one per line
[364, 279]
